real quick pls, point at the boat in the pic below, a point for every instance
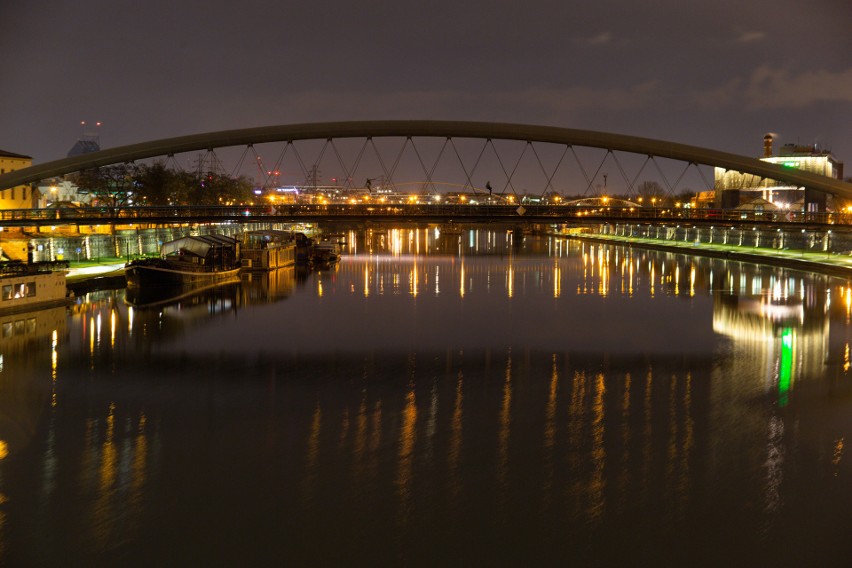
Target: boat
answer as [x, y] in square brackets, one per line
[325, 252]
[28, 286]
[267, 250]
[187, 262]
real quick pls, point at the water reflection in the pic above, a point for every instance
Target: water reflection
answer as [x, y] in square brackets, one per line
[544, 399]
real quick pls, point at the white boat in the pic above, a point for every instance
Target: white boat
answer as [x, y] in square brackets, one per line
[29, 286]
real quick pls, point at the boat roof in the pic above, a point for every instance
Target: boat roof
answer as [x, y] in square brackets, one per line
[268, 235]
[198, 244]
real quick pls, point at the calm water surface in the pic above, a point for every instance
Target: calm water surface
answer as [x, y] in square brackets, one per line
[438, 400]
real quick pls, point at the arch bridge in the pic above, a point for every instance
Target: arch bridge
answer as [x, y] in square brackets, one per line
[448, 137]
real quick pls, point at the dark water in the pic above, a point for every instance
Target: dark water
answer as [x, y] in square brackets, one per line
[438, 400]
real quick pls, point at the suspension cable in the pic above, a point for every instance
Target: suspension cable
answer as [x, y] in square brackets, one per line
[468, 182]
[240, 162]
[382, 163]
[541, 165]
[623, 175]
[662, 175]
[588, 187]
[582, 169]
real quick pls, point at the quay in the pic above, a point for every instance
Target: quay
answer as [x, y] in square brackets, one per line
[832, 263]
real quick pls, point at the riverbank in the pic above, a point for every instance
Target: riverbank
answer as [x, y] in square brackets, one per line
[87, 277]
[824, 262]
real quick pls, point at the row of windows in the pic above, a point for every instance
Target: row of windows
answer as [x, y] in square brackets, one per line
[16, 291]
[20, 327]
[14, 192]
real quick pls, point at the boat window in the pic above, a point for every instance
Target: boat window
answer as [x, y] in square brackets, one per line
[7, 292]
[31, 289]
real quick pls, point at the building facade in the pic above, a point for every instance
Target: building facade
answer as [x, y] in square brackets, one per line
[21, 196]
[735, 188]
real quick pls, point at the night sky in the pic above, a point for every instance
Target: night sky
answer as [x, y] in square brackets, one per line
[713, 74]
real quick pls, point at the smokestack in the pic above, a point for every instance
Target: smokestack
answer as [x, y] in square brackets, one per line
[767, 146]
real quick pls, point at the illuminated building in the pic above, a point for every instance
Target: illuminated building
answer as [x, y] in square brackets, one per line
[21, 196]
[734, 188]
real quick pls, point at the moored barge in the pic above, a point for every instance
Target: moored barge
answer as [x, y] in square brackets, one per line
[188, 262]
[29, 286]
[268, 250]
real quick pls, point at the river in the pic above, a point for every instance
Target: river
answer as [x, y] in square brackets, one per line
[482, 398]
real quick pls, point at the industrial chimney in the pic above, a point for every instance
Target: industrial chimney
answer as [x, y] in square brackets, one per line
[767, 145]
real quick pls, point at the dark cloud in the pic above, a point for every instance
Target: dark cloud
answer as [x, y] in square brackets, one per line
[714, 74]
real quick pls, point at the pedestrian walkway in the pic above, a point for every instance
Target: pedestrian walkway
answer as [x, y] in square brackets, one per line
[819, 261]
[107, 269]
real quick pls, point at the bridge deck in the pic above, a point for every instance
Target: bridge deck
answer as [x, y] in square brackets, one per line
[428, 213]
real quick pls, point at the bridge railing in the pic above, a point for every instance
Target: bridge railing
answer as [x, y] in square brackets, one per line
[448, 211]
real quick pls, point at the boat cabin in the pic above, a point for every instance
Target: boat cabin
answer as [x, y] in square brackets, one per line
[268, 249]
[207, 252]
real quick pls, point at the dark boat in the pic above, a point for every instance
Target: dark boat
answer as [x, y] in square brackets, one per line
[325, 252]
[188, 262]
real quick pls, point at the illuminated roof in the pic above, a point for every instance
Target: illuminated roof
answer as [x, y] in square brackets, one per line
[198, 245]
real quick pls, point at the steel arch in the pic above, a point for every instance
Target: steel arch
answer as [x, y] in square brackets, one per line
[427, 128]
